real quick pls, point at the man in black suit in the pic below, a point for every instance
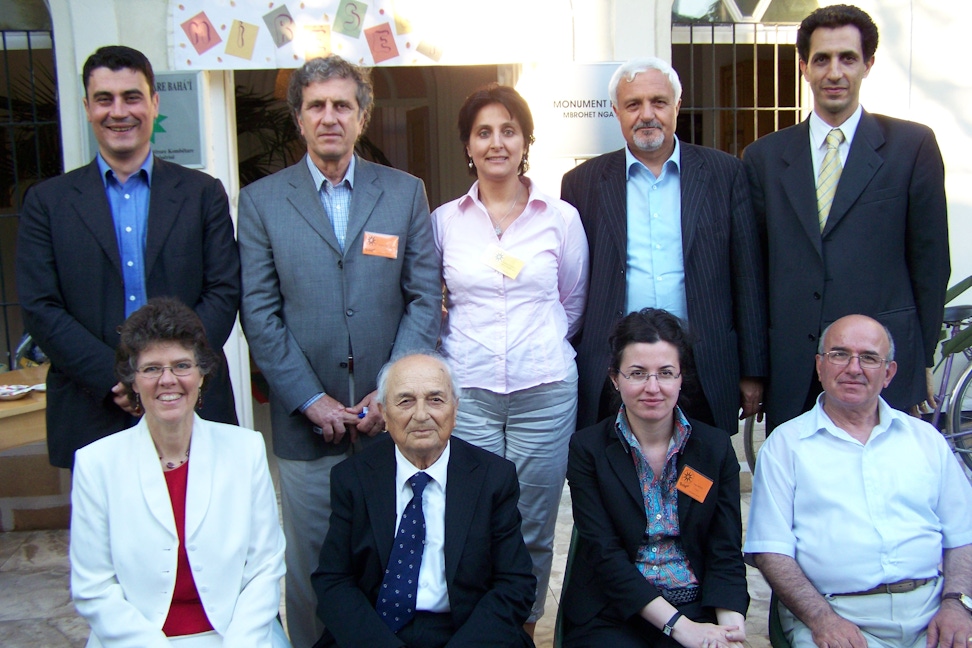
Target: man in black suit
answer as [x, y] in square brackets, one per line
[670, 225]
[96, 243]
[475, 584]
[866, 234]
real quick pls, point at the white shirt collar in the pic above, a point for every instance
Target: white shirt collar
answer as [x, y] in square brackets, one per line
[819, 129]
[404, 469]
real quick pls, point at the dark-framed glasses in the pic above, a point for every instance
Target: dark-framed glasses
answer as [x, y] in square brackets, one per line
[640, 375]
[867, 360]
[154, 372]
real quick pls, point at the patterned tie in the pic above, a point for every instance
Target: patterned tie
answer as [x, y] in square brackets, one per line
[829, 176]
[396, 601]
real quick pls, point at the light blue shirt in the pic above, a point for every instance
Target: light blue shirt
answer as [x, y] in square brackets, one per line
[336, 199]
[656, 270]
[129, 203]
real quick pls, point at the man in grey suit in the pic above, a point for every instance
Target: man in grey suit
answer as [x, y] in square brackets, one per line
[339, 271]
[670, 226]
[860, 230]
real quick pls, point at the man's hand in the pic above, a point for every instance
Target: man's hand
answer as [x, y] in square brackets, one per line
[371, 423]
[751, 398]
[120, 396]
[927, 406]
[951, 627]
[331, 416]
[834, 631]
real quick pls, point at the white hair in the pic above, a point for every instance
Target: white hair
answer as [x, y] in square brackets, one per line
[636, 66]
[382, 389]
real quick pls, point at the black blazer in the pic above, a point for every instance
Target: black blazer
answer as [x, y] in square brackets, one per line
[69, 280]
[488, 570]
[724, 282]
[883, 253]
[609, 514]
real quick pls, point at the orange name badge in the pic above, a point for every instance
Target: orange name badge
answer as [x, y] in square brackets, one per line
[383, 245]
[694, 484]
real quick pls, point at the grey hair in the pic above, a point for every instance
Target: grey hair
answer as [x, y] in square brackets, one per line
[887, 331]
[382, 390]
[318, 70]
[636, 66]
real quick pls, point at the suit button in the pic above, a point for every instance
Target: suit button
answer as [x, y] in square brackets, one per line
[812, 337]
[618, 314]
[349, 312]
[340, 264]
[816, 296]
[343, 365]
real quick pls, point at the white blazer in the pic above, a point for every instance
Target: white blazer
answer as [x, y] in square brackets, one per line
[124, 543]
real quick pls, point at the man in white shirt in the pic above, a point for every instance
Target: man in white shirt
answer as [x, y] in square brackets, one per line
[854, 507]
[475, 583]
[862, 230]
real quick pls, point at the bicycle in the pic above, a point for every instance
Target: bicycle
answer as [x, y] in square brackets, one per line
[953, 421]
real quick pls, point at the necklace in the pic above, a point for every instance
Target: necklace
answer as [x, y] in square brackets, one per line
[170, 465]
[498, 227]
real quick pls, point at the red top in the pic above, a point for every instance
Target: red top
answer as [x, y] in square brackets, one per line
[186, 613]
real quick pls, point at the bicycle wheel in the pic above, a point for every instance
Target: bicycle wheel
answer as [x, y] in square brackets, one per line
[959, 428]
[753, 437]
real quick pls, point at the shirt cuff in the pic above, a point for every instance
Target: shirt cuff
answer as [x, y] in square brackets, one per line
[310, 401]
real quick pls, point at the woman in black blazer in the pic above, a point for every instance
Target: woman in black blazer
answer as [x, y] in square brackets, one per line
[658, 560]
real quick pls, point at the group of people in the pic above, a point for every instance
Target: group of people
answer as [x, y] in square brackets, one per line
[670, 290]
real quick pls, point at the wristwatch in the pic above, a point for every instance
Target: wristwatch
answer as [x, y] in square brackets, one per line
[964, 599]
[669, 627]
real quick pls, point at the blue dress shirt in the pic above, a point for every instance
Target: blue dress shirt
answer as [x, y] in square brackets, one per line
[129, 203]
[656, 270]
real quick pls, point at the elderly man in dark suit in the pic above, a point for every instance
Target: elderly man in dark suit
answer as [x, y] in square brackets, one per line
[670, 226]
[339, 271]
[471, 581]
[95, 244]
[852, 208]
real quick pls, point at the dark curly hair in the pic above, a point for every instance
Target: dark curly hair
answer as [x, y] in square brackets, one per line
[650, 325]
[494, 93]
[161, 319]
[833, 17]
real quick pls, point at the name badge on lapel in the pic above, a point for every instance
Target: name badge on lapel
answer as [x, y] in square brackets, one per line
[383, 245]
[694, 484]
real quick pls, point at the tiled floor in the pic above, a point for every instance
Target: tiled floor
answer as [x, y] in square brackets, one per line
[36, 610]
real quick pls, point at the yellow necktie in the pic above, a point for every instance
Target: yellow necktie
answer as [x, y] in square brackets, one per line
[829, 176]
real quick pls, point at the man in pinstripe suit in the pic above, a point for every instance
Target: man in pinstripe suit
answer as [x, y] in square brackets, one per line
[670, 225]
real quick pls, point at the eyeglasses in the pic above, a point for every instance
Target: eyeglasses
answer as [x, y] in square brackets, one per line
[842, 359]
[154, 372]
[639, 376]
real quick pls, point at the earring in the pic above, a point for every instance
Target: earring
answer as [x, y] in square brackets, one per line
[138, 402]
[470, 164]
[199, 401]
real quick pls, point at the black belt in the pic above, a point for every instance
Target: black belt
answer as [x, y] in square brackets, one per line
[681, 596]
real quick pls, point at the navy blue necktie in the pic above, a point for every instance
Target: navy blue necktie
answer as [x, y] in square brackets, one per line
[399, 587]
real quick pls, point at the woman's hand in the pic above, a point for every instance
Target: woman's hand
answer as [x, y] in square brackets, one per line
[690, 634]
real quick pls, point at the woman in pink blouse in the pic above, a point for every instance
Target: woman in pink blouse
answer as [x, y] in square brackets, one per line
[514, 266]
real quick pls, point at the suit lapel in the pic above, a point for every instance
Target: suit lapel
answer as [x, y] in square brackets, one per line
[466, 477]
[305, 199]
[92, 209]
[622, 464]
[165, 203]
[613, 203]
[863, 161]
[798, 181]
[379, 494]
[364, 197]
[151, 480]
[692, 180]
[200, 482]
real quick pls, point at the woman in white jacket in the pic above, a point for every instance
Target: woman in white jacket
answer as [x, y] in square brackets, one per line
[175, 539]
